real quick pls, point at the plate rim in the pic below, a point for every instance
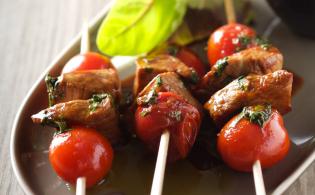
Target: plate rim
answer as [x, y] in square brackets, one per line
[284, 185]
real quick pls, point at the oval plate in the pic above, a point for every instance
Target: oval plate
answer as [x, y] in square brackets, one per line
[133, 168]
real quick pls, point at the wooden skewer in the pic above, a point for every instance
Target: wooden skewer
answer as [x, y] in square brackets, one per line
[158, 178]
[257, 171]
[84, 48]
[229, 11]
[85, 39]
[258, 179]
[80, 188]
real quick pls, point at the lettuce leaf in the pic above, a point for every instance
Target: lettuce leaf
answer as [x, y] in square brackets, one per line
[134, 27]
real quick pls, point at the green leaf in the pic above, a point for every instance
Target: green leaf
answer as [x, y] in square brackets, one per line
[134, 27]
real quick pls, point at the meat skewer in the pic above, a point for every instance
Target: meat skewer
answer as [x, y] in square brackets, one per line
[167, 120]
[256, 168]
[84, 48]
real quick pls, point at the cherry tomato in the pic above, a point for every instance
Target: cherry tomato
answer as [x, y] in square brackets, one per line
[242, 142]
[81, 152]
[172, 113]
[189, 58]
[87, 61]
[226, 41]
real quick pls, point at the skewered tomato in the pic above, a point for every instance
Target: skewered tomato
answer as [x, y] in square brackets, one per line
[187, 56]
[87, 61]
[227, 40]
[169, 112]
[258, 133]
[81, 152]
[191, 59]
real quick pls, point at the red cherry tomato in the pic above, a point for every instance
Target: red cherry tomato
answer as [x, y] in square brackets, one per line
[242, 142]
[87, 61]
[172, 113]
[225, 41]
[81, 152]
[189, 58]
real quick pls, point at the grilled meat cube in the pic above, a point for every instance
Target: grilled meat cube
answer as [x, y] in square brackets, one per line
[148, 68]
[98, 112]
[255, 60]
[82, 85]
[273, 88]
[167, 82]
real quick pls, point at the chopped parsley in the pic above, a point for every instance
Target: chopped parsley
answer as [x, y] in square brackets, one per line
[176, 115]
[95, 101]
[172, 50]
[194, 77]
[145, 111]
[257, 114]
[221, 64]
[263, 43]
[244, 41]
[60, 124]
[151, 97]
[51, 84]
[242, 83]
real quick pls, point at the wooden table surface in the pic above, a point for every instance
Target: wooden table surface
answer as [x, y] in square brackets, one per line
[32, 33]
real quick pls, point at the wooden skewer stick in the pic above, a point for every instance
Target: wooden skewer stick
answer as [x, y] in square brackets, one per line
[84, 48]
[80, 188]
[257, 172]
[230, 11]
[258, 179]
[85, 39]
[158, 178]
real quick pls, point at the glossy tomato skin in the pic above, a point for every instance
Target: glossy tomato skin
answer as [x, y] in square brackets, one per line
[225, 41]
[81, 152]
[170, 113]
[242, 143]
[189, 58]
[87, 61]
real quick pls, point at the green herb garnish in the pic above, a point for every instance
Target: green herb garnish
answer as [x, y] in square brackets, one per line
[60, 124]
[244, 41]
[172, 50]
[263, 43]
[145, 111]
[96, 100]
[242, 83]
[257, 114]
[51, 84]
[176, 115]
[194, 77]
[221, 64]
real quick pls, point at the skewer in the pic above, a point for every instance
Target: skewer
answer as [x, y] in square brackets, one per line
[257, 171]
[229, 11]
[158, 178]
[258, 179]
[84, 48]
[80, 188]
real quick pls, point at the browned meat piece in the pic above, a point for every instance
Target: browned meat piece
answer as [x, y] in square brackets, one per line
[148, 68]
[83, 84]
[273, 88]
[169, 82]
[255, 60]
[98, 112]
